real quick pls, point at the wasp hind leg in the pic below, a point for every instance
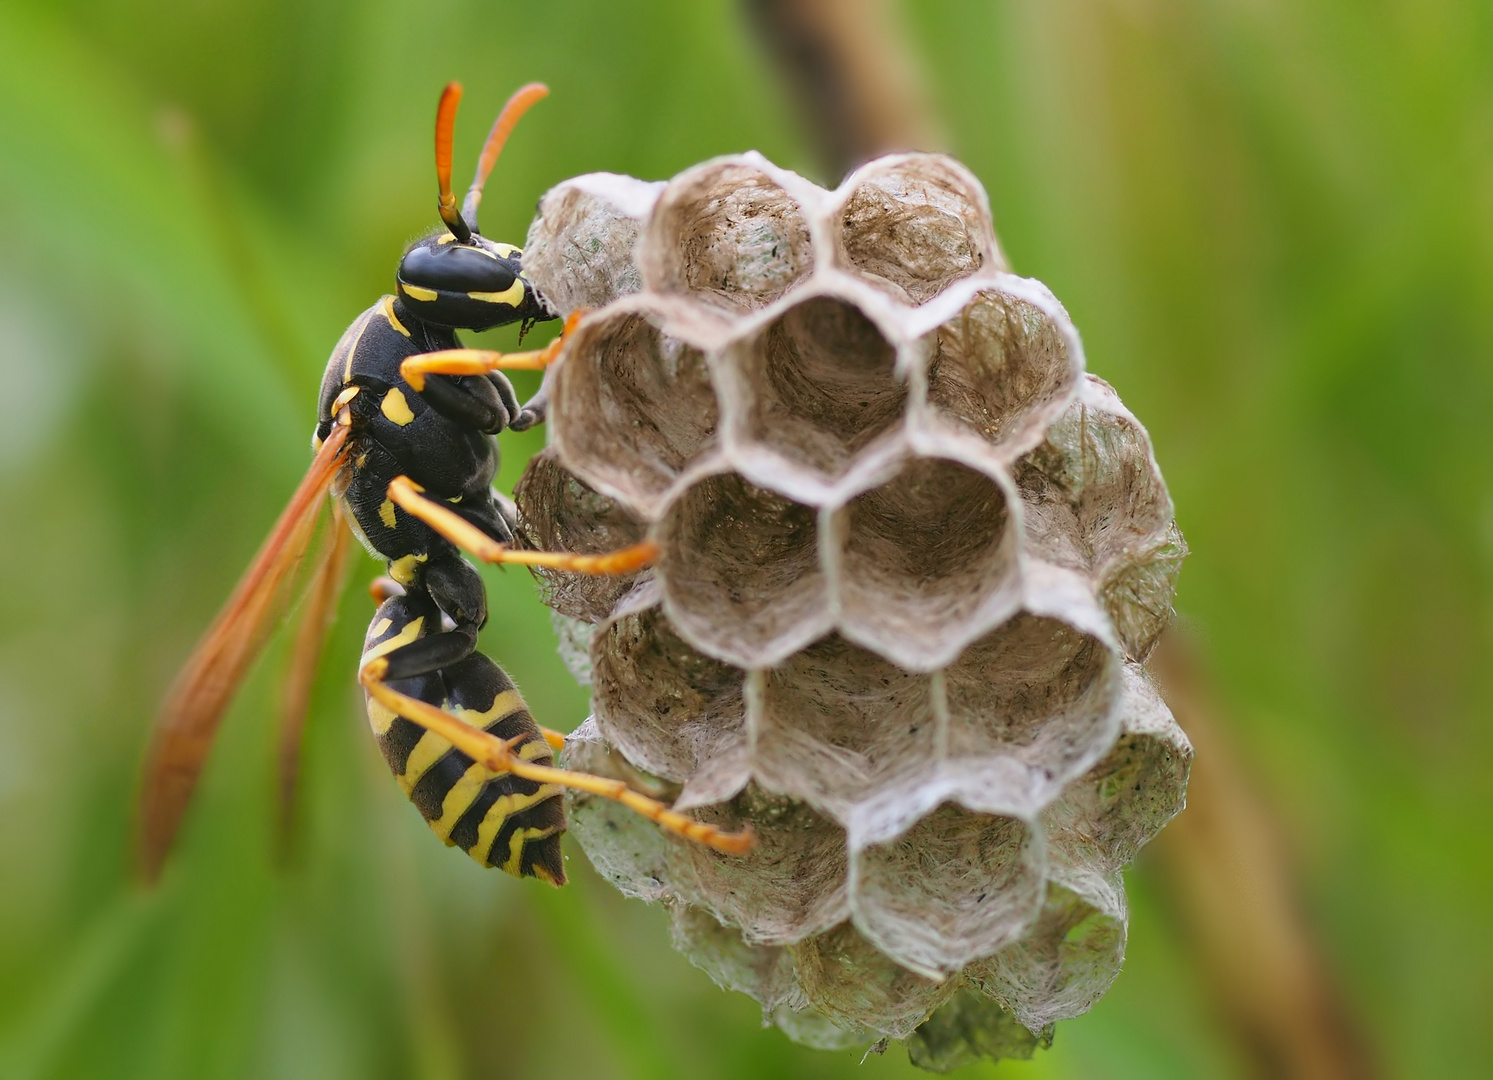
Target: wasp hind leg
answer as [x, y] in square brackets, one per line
[500, 756]
[406, 494]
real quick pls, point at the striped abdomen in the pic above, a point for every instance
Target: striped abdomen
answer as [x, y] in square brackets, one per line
[498, 819]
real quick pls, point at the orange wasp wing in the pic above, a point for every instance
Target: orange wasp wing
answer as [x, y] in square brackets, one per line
[190, 716]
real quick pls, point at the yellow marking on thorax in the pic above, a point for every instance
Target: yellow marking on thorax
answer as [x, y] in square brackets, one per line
[407, 634]
[386, 305]
[513, 296]
[380, 717]
[459, 800]
[396, 407]
[504, 807]
[386, 513]
[507, 251]
[522, 836]
[430, 749]
[418, 292]
[347, 365]
[404, 568]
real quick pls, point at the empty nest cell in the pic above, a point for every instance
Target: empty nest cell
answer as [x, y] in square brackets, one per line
[560, 512]
[853, 983]
[913, 224]
[922, 554]
[1035, 690]
[632, 405]
[955, 886]
[836, 723]
[791, 885]
[819, 383]
[580, 246]
[1110, 812]
[665, 706]
[1061, 966]
[728, 235]
[740, 571]
[996, 364]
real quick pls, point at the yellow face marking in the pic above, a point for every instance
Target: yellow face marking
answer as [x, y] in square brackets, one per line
[517, 841]
[446, 239]
[382, 627]
[513, 296]
[459, 800]
[352, 349]
[408, 634]
[503, 808]
[386, 514]
[404, 569]
[418, 292]
[430, 749]
[386, 305]
[396, 407]
[380, 717]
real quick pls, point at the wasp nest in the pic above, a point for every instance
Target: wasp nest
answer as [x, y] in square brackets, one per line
[912, 561]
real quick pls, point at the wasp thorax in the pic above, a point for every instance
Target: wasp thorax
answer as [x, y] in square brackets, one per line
[912, 561]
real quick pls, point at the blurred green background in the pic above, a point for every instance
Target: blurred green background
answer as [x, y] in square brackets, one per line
[1272, 221]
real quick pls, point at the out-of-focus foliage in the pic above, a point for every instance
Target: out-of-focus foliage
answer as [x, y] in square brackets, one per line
[1272, 221]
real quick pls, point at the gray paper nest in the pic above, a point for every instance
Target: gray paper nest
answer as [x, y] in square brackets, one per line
[913, 560]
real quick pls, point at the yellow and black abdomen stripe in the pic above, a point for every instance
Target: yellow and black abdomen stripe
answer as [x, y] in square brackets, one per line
[498, 819]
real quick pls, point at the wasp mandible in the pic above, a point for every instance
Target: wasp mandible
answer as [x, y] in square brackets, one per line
[404, 443]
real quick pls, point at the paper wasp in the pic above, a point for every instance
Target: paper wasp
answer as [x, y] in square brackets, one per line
[404, 444]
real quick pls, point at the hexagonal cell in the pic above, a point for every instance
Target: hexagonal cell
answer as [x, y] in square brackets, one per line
[790, 885]
[1093, 486]
[579, 252]
[1063, 965]
[632, 406]
[969, 1028]
[854, 984]
[1105, 816]
[1137, 589]
[916, 223]
[815, 386]
[627, 849]
[955, 886]
[1004, 365]
[664, 705]
[740, 571]
[834, 723]
[1038, 691]
[728, 235]
[560, 512]
[926, 557]
[763, 972]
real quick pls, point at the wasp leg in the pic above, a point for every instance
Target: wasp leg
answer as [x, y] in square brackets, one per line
[406, 495]
[481, 361]
[497, 756]
[484, 404]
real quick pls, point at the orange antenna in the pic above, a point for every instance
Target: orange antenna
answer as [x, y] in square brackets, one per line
[445, 127]
[522, 100]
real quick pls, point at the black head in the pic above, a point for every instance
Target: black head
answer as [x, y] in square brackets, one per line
[457, 277]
